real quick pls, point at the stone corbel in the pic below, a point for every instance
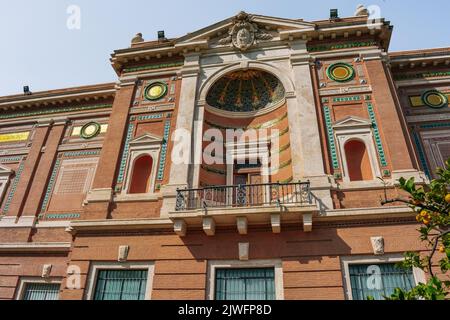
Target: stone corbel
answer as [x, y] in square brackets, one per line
[179, 227]
[275, 221]
[209, 226]
[307, 222]
[242, 225]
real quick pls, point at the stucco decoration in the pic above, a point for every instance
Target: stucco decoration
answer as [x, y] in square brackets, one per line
[377, 245]
[243, 34]
[246, 91]
[46, 270]
[123, 253]
[361, 11]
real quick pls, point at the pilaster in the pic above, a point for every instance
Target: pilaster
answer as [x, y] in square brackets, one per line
[306, 149]
[100, 196]
[29, 168]
[386, 111]
[180, 172]
[44, 169]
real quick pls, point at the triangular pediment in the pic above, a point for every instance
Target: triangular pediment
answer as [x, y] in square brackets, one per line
[147, 138]
[352, 121]
[218, 31]
[5, 171]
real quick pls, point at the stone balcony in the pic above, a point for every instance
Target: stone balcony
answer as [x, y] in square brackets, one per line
[241, 205]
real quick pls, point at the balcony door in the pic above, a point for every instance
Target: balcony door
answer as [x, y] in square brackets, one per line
[249, 190]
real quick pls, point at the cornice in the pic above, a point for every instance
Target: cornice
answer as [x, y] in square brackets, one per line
[410, 60]
[202, 41]
[56, 99]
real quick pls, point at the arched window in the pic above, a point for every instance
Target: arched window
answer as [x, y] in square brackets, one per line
[358, 162]
[142, 171]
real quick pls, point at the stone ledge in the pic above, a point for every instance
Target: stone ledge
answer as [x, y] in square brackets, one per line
[35, 247]
[99, 195]
[119, 224]
[138, 197]
[365, 213]
[17, 222]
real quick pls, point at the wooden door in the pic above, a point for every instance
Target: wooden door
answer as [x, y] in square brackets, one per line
[256, 192]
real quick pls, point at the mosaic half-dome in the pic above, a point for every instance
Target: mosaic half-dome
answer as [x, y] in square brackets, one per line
[245, 91]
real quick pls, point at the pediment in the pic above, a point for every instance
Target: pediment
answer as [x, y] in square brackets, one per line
[269, 26]
[5, 171]
[146, 139]
[351, 122]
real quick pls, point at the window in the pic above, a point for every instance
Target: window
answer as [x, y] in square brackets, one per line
[378, 280]
[436, 144]
[142, 170]
[41, 291]
[245, 284]
[121, 285]
[377, 276]
[358, 162]
[120, 281]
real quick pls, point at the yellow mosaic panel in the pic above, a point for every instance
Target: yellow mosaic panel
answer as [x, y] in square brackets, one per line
[12, 137]
[416, 101]
[77, 130]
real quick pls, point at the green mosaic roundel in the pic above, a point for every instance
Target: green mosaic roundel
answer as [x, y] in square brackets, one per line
[90, 130]
[341, 72]
[155, 91]
[434, 99]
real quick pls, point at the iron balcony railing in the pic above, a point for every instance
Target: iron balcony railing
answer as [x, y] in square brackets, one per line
[243, 195]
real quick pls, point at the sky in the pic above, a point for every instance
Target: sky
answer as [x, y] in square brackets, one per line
[43, 46]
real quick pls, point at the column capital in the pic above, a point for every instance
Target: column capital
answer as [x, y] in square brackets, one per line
[371, 55]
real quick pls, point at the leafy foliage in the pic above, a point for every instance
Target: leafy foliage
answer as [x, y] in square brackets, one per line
[431, 204]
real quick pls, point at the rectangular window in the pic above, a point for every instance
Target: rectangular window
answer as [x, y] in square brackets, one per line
[378, 280]
[121, 285]
[41, 291]
[245, 284]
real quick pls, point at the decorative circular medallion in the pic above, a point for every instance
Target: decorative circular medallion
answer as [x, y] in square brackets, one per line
[341, 72]
[434, 99]
[155, 91]
[90, 130]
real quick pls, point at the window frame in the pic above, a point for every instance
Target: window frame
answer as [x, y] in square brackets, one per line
[24, 281]
[251, 264]
[365, 136]
[144, 145]
[5, 178]
[418, 274]
[97, 266]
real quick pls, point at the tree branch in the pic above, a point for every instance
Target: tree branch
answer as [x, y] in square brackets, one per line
[433, 251]
[421, 206]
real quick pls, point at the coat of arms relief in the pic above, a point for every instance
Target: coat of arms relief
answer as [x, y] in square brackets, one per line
[243, 34]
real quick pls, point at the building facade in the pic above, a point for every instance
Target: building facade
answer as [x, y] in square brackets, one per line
[109, 192]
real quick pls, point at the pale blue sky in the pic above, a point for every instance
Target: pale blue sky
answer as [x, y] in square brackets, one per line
[39, 50]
